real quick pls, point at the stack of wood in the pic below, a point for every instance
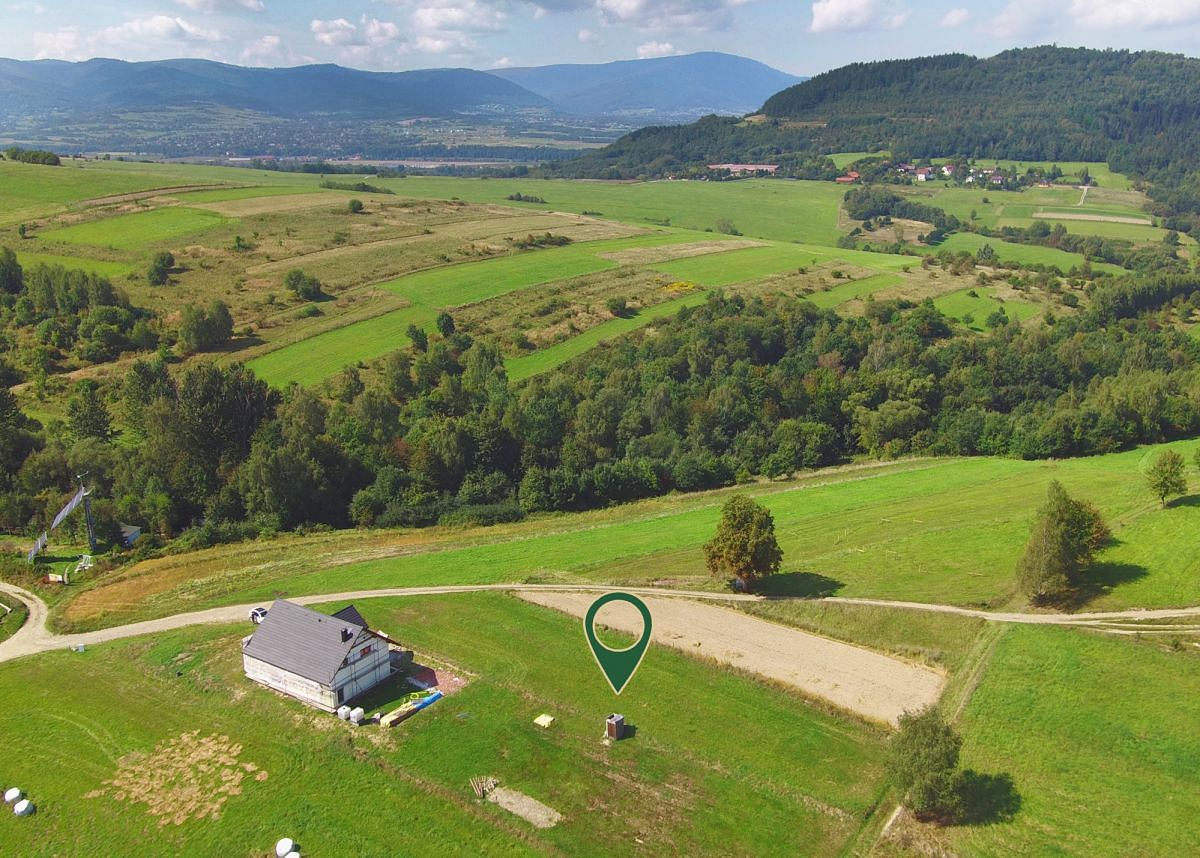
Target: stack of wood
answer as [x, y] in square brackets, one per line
[482, 786]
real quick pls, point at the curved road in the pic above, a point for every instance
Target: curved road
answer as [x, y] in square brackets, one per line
[35, 638]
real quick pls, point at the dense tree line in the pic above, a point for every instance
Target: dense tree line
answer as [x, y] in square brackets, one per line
[725, 391]
[32, 156]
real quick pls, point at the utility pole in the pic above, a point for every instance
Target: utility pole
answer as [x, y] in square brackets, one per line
[87, 512]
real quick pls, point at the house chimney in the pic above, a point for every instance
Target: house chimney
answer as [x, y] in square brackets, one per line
[346, 634]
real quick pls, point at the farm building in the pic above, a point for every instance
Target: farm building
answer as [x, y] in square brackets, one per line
[746, 169]
[321, 660]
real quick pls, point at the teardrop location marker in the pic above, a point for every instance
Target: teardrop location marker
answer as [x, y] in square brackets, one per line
[617, 665]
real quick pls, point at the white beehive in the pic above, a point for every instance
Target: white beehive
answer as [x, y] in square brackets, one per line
[343, 712]
[357, 715]
[24, 807]
[285, 847]
[13, 795]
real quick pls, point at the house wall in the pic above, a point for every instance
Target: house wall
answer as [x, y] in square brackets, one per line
[310, 692]
[360, 673]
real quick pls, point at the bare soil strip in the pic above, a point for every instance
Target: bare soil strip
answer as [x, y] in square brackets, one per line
[875, 686]
[648, 255]
[1134, 221]
[156, 192]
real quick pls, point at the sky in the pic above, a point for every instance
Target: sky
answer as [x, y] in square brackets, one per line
[803, 38]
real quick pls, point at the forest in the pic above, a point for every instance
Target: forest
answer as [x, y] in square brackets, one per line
[725, 392]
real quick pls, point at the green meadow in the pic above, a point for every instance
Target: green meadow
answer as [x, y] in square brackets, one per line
[138, 229]
[760, 208]
[99, 266]
[1098, 737]
[542, 360]
[1021, 254]
[943, 530]
[839, 295]
[979, 303]
[708, 742]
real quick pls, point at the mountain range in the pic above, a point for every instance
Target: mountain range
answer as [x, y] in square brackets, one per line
[657, 89]
[663, 89]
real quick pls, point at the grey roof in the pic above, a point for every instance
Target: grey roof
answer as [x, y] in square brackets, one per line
[303, 641]
[351, 615]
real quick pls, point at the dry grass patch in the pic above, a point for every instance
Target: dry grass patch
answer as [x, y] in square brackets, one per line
[188, 777]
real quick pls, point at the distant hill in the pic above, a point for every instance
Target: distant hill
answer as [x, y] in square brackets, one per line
[661, 89]
[82, 90]
[1136, 110]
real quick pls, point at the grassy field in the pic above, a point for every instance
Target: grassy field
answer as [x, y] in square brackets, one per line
[99, 266]
[839, 295]
[546, 359]
[137, 230]
[12, 616]
[1022, 254]
[947, 531]
[979, 303]
[681, 783]
[759, 208]
[1098, 737]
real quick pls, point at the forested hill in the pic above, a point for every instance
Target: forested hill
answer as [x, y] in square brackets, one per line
[1138, 111]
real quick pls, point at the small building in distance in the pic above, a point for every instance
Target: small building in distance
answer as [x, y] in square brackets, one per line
[745, 169]
[848, 179]
[322, 660]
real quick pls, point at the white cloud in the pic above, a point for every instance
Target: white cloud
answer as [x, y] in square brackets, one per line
[152, 36]
[675, 15]
[272, 50]
[586, 36]
[649, 50]
[368, 33]
[456, 16]
[1021, 17]
[955, 18]
[221, 5]
[27, 8]
[842, 15]
[1137, 14]
[503, 63]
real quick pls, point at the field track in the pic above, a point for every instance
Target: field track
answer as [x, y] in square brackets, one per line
[35, 638]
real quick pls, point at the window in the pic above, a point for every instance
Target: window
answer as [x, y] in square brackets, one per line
[365, 651]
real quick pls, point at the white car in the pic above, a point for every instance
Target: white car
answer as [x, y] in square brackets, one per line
[257, 615]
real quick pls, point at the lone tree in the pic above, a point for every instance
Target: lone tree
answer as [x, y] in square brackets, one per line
[445, 324]
[304, 285]
[1166, 476]
[354, 206]
[745, 544]
[160, 268]
[923, 763]
[1064, 540]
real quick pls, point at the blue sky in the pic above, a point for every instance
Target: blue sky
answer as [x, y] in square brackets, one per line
[799, 37]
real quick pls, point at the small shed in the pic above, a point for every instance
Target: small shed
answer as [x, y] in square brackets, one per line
[321, 660]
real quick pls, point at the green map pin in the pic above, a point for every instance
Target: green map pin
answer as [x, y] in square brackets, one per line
[617, 665]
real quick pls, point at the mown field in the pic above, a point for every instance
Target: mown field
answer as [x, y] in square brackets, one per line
[972, 307]
[1098, 736]
[709, 743]
[945, 531]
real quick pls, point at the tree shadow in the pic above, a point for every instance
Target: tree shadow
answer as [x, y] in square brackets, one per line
[791, 584]
[987, 799]
[237, 344]
[1100, 578]
[1186, 500]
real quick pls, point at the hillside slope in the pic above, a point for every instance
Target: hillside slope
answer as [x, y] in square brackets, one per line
[662, 88]
[1136, 110]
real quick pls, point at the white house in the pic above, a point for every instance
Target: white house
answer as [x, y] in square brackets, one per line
[322, 660]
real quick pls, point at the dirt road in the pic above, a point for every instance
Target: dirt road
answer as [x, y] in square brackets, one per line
[875, 686]
[35, 638]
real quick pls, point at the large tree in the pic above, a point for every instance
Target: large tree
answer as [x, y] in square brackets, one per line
[923, 763]
[1166, 476]
[1064, 540]
[744, 545]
